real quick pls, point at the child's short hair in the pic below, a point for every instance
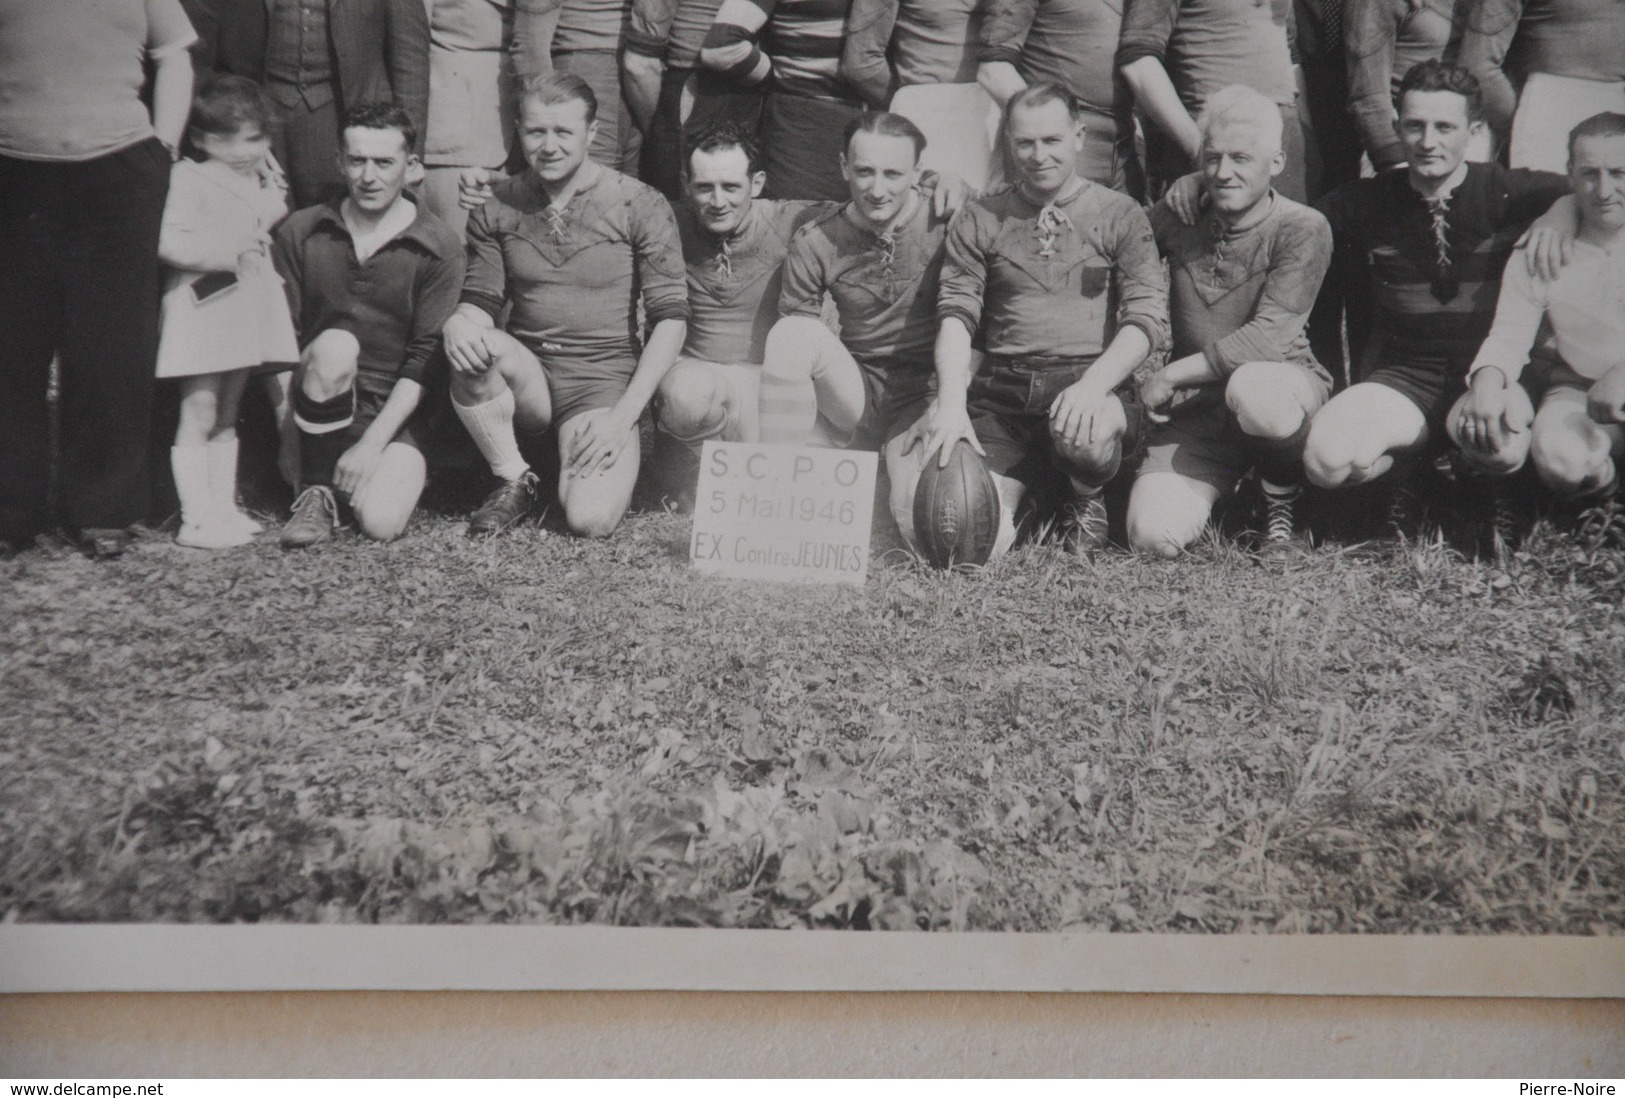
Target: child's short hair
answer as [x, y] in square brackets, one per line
[226, 104]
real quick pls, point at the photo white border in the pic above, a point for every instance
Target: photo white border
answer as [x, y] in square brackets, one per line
[99, 957]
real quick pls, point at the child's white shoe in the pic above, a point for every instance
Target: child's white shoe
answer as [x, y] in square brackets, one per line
[212, 535]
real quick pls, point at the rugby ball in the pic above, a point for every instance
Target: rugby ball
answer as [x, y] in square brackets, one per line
[956, 510]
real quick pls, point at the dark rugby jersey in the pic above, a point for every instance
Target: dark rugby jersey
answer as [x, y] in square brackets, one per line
[884, 286]
[1054, 280]
[734, 283]
[671, 29]
[1507, 39]
[802, 39]
[394, 303]
[1430, 283]
[1385, 38]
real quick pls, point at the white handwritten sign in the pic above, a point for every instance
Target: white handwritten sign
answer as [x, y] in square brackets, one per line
[783, 513]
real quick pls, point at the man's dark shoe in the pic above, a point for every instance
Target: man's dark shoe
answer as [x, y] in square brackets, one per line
[1084, 525]
[509, 502]
[105, 542]
[1281, 542]
[315, 518]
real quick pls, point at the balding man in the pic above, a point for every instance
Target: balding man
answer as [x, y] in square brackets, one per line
[1241, 378]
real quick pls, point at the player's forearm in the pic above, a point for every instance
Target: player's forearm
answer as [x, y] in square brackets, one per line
[1127, 350]
[953, 361]
[171, 96]
[640, 83]
[1190, 371]
[659, 353]
[1157, 97]
[403, 400]
[1000, 80]
[474, 315]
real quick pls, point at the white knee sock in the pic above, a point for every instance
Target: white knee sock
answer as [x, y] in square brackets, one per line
[223, 483]
[190, 464]
[490, 425]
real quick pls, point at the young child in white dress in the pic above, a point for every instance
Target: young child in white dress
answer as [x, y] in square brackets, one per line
[224, 311]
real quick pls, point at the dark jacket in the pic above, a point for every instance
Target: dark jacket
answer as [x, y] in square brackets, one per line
[380, 48]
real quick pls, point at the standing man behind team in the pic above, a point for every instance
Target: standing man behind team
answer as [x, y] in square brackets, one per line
[1062, 278]
[572, 246]
[1242, 282]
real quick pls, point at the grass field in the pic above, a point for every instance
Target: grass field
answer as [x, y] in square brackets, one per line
[550, 730]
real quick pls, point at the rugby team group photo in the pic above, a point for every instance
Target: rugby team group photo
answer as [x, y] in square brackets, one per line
[1140, 305]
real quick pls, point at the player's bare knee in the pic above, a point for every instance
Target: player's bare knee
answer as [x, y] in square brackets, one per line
[381, 524]
[1328, 461]
[592, 520]
[1262, 406]
[1094, 462]
[327, 368]
[690, 402]
[1567, 461]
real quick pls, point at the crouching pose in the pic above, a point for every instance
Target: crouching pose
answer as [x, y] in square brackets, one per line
[879, 256]
[1063, 277]
[1242, 281]
[570, 246]
[1575, 438]
[1425, 245]
[370, 280]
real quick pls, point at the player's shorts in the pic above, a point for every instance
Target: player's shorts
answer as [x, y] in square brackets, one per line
[1429, 381]
[1203, 442]
[369, 401]
[741, 385]
[1009, 403]
[893, 401]
[1551, 380]
[579, 384]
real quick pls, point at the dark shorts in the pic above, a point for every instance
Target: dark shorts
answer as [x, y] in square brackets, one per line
[801, 146]
[1009, 403]
[1429, 383]
[369, 401]
[1547, 376]
[579, 385]
[893, 402]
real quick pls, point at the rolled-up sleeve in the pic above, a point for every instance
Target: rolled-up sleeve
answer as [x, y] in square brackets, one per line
[649, 26]
[1491, 25]
[1300, 257]
[1147, 26]
[662, 278]
[1369, 32]
[436, 294]
[1142, 281]
[864, 61]
[730, 46]
[485, 283]
[963, 284]
[169, 29]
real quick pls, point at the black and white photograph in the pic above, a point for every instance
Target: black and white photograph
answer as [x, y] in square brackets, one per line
[1128, 488]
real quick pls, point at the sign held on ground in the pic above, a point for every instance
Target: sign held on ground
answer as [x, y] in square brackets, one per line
[794, 513]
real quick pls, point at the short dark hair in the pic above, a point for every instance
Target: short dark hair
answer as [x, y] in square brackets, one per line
[1045, 91]
[380, 116]
[560, 87]
[1603, 124]
[884, 124]
[715, 136]
[1441, 76]
[225, 104]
